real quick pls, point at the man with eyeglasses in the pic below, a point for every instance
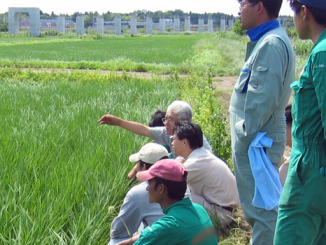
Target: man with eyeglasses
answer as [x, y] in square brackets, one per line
[178, 111]
[257, 105]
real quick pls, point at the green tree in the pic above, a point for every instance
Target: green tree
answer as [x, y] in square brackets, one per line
[179, 12]
[4, 27]
[88, 21]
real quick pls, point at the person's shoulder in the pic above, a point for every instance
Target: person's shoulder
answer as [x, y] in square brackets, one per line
[273, 40]
[320, 46]
[277, 37]
[218, 160]
[198, 206]
[201, 156]
[137, 190]
[196, 155]
[201, 211]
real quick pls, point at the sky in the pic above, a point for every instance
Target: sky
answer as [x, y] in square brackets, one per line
[127, 6]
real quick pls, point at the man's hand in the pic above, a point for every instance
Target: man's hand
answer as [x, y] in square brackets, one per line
[130, 241]
[133, 127]
[109, 119]
[133, 172]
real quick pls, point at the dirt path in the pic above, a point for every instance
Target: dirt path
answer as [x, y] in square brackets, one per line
[225, 83]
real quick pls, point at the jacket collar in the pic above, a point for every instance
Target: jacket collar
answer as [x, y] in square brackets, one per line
[257, 32]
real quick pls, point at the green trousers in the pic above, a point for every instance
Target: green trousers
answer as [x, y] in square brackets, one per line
[302, 209]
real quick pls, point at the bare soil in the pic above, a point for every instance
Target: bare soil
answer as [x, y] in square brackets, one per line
[225, 83]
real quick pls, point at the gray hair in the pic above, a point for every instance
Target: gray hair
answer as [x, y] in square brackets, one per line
[182, 109]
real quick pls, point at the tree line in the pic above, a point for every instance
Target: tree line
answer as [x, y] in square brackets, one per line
[89, 17]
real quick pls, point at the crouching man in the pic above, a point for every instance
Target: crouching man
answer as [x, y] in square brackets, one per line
[135, 208]
[185, 222]
[211, 182]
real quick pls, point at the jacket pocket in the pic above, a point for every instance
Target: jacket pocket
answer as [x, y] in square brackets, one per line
[303, 94]
[258, 77]
[241, 85]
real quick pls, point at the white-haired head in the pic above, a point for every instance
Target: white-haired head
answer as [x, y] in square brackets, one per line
[182, 109]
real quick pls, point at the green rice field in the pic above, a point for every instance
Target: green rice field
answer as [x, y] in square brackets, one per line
[62, 172]
[156, 54]
[63, 175]
[161, 49]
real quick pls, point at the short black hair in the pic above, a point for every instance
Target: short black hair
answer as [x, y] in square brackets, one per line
[148, 165]
[288, 115]
[176, 190]
[272, 6]
[156, 119]
[319, 15]
[191, 132]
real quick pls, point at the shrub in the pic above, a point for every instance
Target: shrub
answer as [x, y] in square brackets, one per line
[208, 113]
[292, 32]
[4, 27]
[302, 47]
[238, 29]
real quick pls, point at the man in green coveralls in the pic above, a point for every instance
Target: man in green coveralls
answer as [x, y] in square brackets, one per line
[302, 208]
[185, 222]
[257, 104]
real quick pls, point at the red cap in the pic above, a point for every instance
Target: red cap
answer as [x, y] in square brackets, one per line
[168, 169]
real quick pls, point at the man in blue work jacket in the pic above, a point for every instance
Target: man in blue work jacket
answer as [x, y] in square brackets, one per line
[258, 102]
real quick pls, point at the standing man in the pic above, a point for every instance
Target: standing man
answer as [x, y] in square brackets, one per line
[258, 102]
[185, 222]
[211, 182]
[302, 211]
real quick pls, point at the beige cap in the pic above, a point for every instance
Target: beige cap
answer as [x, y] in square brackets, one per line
[150, 153]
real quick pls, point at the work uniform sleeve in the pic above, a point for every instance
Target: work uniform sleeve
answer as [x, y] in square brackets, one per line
[265, 88]
[157, 234]
[128, 220]
[319, 80]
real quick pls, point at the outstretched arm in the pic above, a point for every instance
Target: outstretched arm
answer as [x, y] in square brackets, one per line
[133, 127]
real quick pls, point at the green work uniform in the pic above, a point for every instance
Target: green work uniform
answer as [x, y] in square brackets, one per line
[184, 223]
[302, 209]
[257, 105]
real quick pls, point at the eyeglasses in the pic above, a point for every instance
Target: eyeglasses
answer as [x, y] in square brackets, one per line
[166, 120]
[244, 5]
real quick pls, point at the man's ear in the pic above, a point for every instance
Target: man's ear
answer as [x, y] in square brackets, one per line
[305, 13]
[141, 168]
[163, 189]
[260, 7]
